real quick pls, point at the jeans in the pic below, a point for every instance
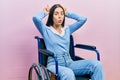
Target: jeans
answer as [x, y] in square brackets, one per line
[68, 68]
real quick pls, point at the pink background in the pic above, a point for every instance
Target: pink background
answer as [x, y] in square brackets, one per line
[18, 48]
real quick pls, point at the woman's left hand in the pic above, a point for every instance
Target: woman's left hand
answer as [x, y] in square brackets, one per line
[65, 10]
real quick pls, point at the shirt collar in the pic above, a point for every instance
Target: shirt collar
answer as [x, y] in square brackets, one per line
[53, 30]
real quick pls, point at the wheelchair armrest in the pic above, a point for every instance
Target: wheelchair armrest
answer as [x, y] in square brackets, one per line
[49, 53]
[83, 46]
[88, 47]
[46, 52]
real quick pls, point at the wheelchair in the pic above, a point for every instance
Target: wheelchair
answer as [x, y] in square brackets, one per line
[42, 73]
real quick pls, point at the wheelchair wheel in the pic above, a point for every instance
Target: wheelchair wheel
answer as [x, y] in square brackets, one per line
[36, 72]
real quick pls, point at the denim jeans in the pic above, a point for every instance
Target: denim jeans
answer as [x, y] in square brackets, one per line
[68, 68]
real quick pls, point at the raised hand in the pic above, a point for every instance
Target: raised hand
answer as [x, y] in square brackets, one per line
[47, 9]
[65, 10]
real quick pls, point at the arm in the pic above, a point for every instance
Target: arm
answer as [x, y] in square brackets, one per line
[80, 21]
[37, 19]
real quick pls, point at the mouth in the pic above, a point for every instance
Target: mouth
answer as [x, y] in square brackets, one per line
[59, 21]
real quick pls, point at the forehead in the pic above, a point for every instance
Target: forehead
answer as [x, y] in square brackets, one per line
[58, 9]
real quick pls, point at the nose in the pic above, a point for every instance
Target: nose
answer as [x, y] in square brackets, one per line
[59, 16]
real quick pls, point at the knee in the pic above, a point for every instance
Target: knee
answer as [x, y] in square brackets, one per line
[98, 65]
[98, 71]
[67, 74]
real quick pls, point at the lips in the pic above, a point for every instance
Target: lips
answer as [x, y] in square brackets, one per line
[59, 21]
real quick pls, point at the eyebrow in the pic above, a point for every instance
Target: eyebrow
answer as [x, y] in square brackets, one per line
[57, 11]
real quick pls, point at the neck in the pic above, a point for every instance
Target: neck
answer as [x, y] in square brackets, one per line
[58, 28]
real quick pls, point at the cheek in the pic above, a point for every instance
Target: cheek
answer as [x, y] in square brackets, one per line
[54, 19]
[62, 17]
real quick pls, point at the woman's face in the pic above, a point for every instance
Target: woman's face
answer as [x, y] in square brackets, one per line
[58, 16]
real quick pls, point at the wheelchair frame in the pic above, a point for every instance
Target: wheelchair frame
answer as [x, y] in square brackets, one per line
[41, 52]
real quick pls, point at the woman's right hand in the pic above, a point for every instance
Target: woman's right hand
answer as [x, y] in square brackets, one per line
[47, 10]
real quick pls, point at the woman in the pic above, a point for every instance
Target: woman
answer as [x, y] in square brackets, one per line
[57, 38]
